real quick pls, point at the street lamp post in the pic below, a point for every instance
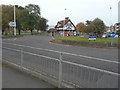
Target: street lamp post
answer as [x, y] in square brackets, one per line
[14, 22]
[64, 23]
[111, 26]
[111, 19]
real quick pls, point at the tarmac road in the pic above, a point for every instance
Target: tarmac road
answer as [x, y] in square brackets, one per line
[43, 42]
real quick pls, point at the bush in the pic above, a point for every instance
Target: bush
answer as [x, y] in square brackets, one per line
[118, 32]
[6, 33]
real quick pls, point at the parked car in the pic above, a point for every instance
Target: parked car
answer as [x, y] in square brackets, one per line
[116, 36]
[104, 35]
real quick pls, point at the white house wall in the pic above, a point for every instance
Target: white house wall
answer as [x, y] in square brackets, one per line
[69, 25]
[59, 28]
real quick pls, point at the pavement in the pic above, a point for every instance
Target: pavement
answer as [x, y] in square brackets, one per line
[13, 78]
[81, 76]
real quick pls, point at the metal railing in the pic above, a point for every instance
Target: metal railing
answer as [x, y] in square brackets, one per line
[61, 70]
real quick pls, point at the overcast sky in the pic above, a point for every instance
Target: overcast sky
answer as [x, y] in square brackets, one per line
[76, 10]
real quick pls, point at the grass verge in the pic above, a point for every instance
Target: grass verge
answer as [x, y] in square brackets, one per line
[86, 39]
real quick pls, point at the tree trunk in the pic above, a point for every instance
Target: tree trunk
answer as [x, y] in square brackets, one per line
[19, 32]
[31, 32]
[2, 32]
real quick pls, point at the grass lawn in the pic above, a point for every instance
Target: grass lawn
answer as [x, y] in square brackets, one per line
[86, 39]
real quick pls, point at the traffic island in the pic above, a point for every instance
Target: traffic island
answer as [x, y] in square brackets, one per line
[86, 43]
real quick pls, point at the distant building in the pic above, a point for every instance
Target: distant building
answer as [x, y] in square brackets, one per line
[119, 12]
[117, 27]
[107, 28]
[52, 32]
[66, 27]
[49, 27]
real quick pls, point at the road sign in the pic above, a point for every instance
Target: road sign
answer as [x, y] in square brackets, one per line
[92, 37]
[112, 35]
[12, 24]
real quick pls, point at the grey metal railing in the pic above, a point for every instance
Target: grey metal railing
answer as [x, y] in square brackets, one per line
[63, 71]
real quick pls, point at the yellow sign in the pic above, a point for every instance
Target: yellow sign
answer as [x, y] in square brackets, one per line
[39, 31]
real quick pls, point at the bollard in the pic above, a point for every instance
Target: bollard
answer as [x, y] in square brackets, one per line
[60, 70]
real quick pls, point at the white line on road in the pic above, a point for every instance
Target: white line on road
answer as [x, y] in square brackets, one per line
[93, 68]
[12, 39]
[32, 53]
[88, 67]
[99, 59]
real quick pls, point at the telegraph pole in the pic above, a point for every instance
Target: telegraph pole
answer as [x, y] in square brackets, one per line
[14, 22]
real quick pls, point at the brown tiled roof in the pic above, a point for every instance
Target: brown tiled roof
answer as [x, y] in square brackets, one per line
[62, 22]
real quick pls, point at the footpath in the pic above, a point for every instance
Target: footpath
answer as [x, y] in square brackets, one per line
[13, 78]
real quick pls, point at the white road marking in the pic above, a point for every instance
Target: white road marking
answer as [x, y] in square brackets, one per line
[12, 39]
[85, 66]
[99, 59]
[15, 39]
[93, 68]
[32, 53]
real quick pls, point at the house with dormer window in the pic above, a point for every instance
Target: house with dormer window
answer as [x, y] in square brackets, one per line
[66, 27]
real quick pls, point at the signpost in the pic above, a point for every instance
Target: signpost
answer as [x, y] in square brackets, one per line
[12, 24]
[92, 37]
[112, 35]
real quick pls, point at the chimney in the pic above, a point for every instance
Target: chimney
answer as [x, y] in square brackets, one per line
[66, 19]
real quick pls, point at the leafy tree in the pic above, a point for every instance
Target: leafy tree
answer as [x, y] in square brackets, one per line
[26, 18]
[88, 22]
[36, 20]
[33, 9]
[7, 16]
[98, 27]
[22, 19]
[43, 24]
[80, 27]
[34, 16]
[31, 22]
[95, 27]
[19, 7]
[27, 21]
[88, 29]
